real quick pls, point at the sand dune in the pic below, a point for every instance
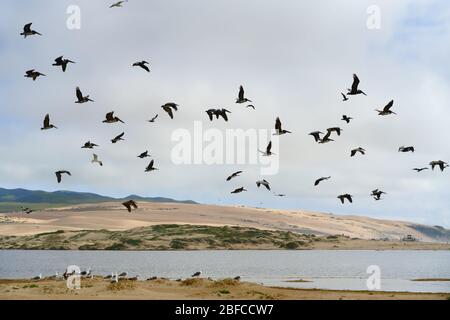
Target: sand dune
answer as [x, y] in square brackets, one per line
[113, 216]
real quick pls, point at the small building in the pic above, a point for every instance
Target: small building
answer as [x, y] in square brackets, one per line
[409, 238]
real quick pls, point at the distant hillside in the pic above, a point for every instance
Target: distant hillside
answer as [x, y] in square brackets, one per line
[12, 197]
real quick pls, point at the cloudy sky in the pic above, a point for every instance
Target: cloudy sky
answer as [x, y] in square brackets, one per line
[293, 58]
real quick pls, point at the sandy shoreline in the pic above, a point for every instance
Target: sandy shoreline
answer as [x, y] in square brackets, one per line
[188, 289]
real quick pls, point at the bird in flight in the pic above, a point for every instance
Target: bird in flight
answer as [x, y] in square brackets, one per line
[96, 160]
[33, 74]
[335, 129]
[153, 119]
[239, 190]
[46, 124]
[110, 118]
[62, 62]
[129, 204]
[81, 98]
[168, 108]
[344, 97]
[144, 155]
[279, 195]
[117, 4]
[263, 182]
[251, 106]
[346, 118]
[359, 149]
[267, 152]
[218, 113]
[142, 64]
[354, 90]
[233, 175]
[316, 183]
[344, 197]
[118, 138]
[326, 138]
[406, 149]
[441, 164]
[420, 169]
[241, 98]
[376, 194]
[89, 145]
[60, 173]
[316, 135]
[150, 167]
[386, 110]
[27, 31]
[278, 130]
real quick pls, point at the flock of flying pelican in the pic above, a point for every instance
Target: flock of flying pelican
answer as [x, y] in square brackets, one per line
[170, 108]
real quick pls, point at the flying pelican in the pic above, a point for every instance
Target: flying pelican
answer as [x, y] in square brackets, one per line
[263, 182]
[406, 149]
[142, 64]
[239, 190]
[278, 130]
[354, 90]
[117, 4]
[60, 173]
[81, 98]
[27, 31]
[241, 98]
[316, 135]
[347, 196]
[144, 155]
[110, 118]
[359, 149]
[153, 119]
[346, 118]
[89, 145]
[168, 108]
[33, 74]
[62, 62]
[95, 159]
[46, 124]
[130, 203]
[150, 167]
[320, 180]
[197, 274]
[251, 106]
[118, 138]
[420, 169]
[386, 110]
[267, 152]
[441, 164]
[233, 175]
[376, 194]
[344, 97]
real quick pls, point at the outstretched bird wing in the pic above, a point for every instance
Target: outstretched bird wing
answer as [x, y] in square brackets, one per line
[355, 83]
[269, 146]
[278, 125]
[47, 121]
[79, 94]
[388, 106]
[110, 116]
[27, 27]
[58, 176]
[241, 93]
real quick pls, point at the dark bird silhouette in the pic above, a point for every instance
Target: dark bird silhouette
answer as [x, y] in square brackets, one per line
[441, 164]
[197, 274]
[81, 98]
[347, 196]
[279, 195]
[142, 64]
[406, 149]
[320, 180]
[211, 113]
[335, 129]
[96, 160]
[150, 167]
[354, 90]
[62, 62]
[33, 74]
[346, 118]
[376, 194]
[278, 130]
[218, 113]
[420, 169]
[153, 119]
[27, 31]
[168, 108]
[46, 124]
[263, 182]
[241, 98]
[326, 138]
[110, 118]
[251, 106]
[118, 138]
[60, 173]
[268, 151]
[359, 149]
[144, 155]
[239, 190]
[89, 145]
[344, 97]
[233, 175]
[117, 4]
[316, 135]
[129, 204]
[386, 110]
[237, 278]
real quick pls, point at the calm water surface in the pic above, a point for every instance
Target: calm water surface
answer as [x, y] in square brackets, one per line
[326, 269]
